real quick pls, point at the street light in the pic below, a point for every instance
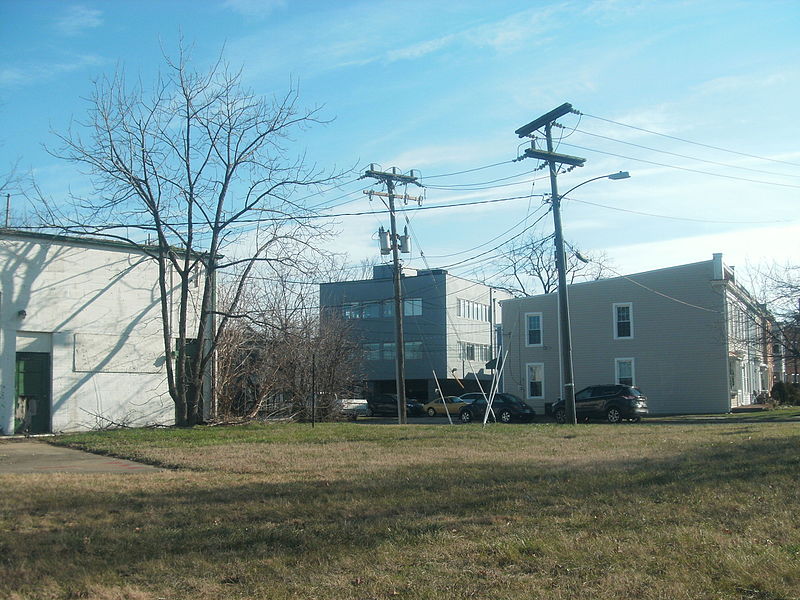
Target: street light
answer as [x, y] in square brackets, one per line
[563, 297]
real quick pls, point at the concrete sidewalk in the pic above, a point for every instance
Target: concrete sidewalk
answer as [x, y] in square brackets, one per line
[26, 456]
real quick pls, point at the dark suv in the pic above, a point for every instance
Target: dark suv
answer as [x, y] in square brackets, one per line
[386, 405]
[506, 408]
[614, 403]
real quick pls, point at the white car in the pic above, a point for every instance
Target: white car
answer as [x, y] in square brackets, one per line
[354, 407]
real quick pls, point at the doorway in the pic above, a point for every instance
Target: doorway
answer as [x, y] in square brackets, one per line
[32, 382]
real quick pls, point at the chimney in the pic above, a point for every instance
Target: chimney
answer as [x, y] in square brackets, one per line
[719, 272]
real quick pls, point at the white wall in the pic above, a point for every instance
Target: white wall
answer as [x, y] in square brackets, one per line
[96, 309]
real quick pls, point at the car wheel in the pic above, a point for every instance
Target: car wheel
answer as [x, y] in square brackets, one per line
[369, 412]
[431, 412]
[466, 417]
[506, 416]
[560, 416]
[613, 415]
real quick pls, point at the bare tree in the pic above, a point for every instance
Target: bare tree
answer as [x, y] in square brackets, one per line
[203, 166]
[529, 265]
[777, 286]
[14, 185]
[282, 355]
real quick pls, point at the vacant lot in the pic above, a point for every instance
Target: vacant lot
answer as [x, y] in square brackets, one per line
[668, 510]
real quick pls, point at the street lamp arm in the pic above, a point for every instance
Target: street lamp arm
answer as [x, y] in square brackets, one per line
[620, 175]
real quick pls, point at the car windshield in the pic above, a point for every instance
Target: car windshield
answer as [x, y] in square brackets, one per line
[635, 392]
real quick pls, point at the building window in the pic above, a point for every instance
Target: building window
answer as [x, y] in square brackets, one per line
[371, 310]
[388, 351]
[533, 326]
[413, 350]
[535, 380]
[624, 371]
[623, 321]
[388, 308]
[412, 307]
[351, 310]
[470, 351]
[372, 351]
[474, 311]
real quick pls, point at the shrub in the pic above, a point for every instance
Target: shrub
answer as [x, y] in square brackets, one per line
[786, 393]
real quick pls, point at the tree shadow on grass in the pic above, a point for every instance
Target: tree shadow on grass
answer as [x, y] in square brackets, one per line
[219, 520]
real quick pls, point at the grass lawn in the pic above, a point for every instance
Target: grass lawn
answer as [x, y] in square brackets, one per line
[665, 509]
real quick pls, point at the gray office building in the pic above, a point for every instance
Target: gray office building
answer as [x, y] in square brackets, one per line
[451, 328]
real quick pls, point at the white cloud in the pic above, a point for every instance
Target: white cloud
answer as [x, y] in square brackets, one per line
[34, 72]
[749, 248]
[737, 83]
[419, 50]
[77, 19]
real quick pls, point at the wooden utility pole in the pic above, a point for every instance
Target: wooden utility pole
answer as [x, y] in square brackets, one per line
[552, 159]
[390, 179]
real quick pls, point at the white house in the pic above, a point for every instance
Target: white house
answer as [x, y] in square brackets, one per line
[81, 336]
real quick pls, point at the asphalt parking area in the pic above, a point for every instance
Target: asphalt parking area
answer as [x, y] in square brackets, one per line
[28, 456]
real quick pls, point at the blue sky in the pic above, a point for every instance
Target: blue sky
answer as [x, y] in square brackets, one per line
[440, 87]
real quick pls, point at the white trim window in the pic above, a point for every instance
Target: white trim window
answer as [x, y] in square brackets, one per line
[535, 379]
[474, 311]
[533, 329]
[625, 371]
[623, 320]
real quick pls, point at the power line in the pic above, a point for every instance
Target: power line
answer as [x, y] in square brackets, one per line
[710, 162]
[672, 137]
[637, 212]
[505, 162]
[298, 218]
[483, 183]
[507, 231]
[531, 226]
[650, 162]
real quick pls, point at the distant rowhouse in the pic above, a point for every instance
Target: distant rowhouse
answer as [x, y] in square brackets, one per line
[81, 336]
[689, 336]
[450, 329]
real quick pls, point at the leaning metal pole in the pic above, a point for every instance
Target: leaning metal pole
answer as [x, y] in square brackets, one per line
[563, 296]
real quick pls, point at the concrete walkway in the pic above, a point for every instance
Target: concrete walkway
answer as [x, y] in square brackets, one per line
[26, 456]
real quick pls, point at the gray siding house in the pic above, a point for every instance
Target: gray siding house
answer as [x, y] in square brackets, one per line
[450, 328]
[689, 336]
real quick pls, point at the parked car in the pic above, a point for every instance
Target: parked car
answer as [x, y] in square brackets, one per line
[386, 405]
[506, 408]
[452, 405]
[353, 408]
[614, 403]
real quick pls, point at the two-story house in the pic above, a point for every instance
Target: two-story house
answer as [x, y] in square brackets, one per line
[689, 336]
[450, 329]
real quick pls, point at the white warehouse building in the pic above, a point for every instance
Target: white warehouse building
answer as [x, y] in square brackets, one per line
[81, 337]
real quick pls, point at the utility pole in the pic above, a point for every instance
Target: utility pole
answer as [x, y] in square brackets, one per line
[552, 158]
[390, 179]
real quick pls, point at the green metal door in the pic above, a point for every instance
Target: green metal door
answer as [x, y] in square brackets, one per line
[32, 407]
